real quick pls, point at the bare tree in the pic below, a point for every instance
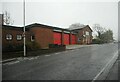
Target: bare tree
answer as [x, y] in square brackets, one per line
[100, 30]
[7, 19]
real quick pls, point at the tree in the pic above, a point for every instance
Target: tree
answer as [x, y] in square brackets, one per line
[7, 19]
[104, 35]
[99, 30]
[107, 36]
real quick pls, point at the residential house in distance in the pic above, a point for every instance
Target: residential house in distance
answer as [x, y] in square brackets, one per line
[84, 34]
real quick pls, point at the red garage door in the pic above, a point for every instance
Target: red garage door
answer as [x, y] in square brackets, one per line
[57, 38]
[66, 39]
[73, 39]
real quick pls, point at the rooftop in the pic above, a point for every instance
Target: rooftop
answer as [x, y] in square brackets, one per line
[76, 26]
[35, 25]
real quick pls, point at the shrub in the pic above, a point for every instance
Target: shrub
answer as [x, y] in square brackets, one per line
[97, 41]
[13, 47]
[55, 46]
[32, 45]
[19, 47]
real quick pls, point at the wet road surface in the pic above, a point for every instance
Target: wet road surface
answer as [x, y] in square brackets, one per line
[79, 64]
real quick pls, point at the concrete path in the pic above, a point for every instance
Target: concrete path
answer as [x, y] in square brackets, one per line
[113, 73]
[78, 46]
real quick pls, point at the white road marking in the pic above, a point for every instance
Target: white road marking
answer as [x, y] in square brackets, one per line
[72, 50]
[25, 58]
[31, 58]
[66, 51]
[36, 57]
[10, 63]
[57, 53]
[7, 60]
[47, 55]
[104, 67]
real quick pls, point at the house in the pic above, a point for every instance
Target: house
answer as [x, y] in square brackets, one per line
[84, 34]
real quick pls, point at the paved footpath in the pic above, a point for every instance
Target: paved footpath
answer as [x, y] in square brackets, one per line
[78, 46]
[68, 47]
[113, 74]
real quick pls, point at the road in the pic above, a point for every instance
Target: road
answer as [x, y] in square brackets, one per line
[79, 64]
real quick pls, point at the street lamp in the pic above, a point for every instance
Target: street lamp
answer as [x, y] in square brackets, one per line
[24, 27]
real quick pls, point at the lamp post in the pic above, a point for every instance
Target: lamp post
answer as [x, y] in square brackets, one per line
[24, 28]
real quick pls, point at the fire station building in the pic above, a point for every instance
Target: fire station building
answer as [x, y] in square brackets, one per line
[45, 35]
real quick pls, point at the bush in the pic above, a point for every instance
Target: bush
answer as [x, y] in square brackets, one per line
[13, 47]
[32, 45]
[20, 47]
[9, 47]
[97, 41]
[55, 46]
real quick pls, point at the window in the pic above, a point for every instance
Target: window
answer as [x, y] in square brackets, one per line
[9, 37]
[83, 32]
[32, 38]
[19, 37]
[87, 33]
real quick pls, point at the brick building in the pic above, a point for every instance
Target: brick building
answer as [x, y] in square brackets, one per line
[41, 34]
[84, 34]
[45, 35]
[11, 35]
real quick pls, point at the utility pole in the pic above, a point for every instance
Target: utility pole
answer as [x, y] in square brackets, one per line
[24, 28]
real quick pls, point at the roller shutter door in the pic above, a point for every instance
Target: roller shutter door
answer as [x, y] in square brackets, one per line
[57, 38]
[66, 39]
[73, 39]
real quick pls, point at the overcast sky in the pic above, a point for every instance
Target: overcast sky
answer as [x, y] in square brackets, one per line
[64, 13]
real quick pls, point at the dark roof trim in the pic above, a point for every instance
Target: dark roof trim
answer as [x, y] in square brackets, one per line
[11, 26]
[38, 25]
[41, 25]
[89, 28]
[45, 26]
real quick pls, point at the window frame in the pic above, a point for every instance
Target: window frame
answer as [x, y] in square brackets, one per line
[17, 37]
[7, 37]
[87, 33]
[31, 37]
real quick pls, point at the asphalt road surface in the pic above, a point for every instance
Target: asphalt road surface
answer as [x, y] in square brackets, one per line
[79, 64]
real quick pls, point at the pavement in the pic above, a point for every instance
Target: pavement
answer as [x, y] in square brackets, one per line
[84, 63]
[113, 73]
[68, 47]
[8, 60]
